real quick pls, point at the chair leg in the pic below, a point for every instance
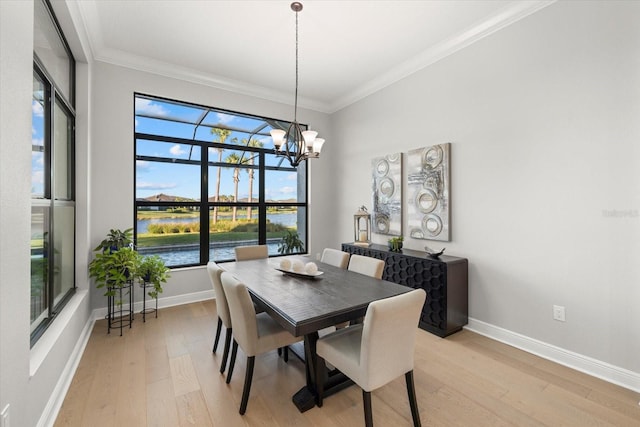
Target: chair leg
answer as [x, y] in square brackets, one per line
[225, 353]
[279, 351]
[286, 355]
[218, 329]
[368, 416]
[247, 384]
[232, 363]
[411, 391]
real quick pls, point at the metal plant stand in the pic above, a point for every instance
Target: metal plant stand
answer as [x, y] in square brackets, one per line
[125, 316]
[144, 285]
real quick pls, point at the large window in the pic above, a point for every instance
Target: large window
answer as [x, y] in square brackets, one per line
[52, 172]
[208, 180]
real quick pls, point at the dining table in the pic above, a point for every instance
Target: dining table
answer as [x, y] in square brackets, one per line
[305, 304]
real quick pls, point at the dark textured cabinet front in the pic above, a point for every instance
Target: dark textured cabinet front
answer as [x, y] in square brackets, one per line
[444, 279]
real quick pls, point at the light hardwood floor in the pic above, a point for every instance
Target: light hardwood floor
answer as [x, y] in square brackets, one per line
[163, 373]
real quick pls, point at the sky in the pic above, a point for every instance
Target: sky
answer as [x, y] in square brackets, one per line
[184, 180]
[37, 157]
[172, 178]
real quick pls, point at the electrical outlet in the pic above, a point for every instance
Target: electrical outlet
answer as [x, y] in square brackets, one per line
[4, 417]
[558, 313]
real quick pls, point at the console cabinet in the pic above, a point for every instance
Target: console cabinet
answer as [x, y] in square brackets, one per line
[445, 279]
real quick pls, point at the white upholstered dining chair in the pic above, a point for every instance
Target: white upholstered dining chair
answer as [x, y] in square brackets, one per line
[366, 265]
[335, 257]
[249, 252]
[222, 307]
[244, 253]
[377, 351]
[254, 333]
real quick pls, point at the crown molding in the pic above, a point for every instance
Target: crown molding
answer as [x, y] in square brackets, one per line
[161, 68]
[505, 17]
[512, 13]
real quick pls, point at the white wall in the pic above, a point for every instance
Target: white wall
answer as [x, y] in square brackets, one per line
[543, 120]
[112, 155]
[29, 378]
[16, 70]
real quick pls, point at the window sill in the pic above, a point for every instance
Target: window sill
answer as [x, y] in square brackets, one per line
[48, 340]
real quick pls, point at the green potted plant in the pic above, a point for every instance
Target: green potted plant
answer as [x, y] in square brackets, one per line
[116, 239]
[290, 242]
[114, 269]
[153, 270]
[395, 243]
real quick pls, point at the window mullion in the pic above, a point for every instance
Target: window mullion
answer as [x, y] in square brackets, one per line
[52, 193]
[262, 210]
[204, 207]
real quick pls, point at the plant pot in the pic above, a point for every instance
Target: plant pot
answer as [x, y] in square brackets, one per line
[395, 246]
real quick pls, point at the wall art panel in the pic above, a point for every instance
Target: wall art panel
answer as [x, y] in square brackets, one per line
[387, 194]
[428, 192]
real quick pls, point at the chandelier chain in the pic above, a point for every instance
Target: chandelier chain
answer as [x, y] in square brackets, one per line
[295, 110]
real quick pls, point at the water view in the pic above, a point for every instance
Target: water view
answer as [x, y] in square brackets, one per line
[188, 252]
[185, 256]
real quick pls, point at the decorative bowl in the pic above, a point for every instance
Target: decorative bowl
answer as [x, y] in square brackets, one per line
[432, 253]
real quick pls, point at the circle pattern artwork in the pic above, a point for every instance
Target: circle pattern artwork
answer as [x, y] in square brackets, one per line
[393, 157]
[432, 224]
[426, 200]
[433, 156]
[382, 167]
[382, 224]
[387, 187]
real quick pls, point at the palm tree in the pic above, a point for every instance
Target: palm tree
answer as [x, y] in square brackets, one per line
[222, 134]
[233, 158]
[250, 171]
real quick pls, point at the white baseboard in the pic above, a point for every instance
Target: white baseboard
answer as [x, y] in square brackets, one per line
[101, 313]
[50, 413]
[605, 371]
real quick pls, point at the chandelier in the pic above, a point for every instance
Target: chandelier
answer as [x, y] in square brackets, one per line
[294, 144]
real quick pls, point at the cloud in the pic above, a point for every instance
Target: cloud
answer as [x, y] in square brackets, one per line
[225, 118]
[37, 158]
[292, 176]
[146, 106]
[143, 166]
[177, 150]
[37, 109]
[37, 141]
[155, 185]
[37, 177]
[287, 190]
[280, 193]
[136, 124]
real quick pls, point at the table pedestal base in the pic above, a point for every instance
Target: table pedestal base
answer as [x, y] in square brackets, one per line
[304, 399]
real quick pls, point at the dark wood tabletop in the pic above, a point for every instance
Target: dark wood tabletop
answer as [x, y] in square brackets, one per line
[306, 305]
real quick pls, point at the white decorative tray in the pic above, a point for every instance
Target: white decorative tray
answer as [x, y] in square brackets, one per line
[301, 274]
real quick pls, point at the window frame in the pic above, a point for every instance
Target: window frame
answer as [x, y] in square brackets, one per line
[206, 206]
[54, 98]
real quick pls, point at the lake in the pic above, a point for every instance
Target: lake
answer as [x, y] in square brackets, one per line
[191, 255]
